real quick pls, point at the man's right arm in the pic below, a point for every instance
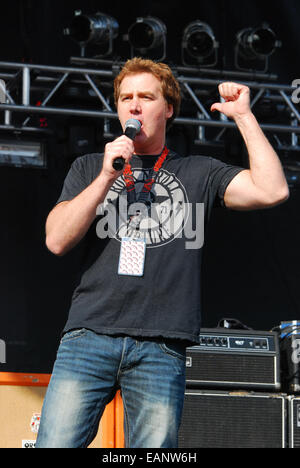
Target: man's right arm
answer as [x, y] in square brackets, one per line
[69, 221]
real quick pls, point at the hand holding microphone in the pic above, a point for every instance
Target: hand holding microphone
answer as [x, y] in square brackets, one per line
[132, 128]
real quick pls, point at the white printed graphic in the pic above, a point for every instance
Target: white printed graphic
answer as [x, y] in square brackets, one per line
[169, 216]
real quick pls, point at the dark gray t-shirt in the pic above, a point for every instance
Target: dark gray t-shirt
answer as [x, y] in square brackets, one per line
[166, 301]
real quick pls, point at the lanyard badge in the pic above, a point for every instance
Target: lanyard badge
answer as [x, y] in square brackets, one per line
[133, 248]
[132, 256]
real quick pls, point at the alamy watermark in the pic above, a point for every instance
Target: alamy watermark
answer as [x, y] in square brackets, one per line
[158, 223]
[296, 92]
[2, 352]
[295, 356]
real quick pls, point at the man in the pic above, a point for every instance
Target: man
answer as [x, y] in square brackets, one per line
[129, 328]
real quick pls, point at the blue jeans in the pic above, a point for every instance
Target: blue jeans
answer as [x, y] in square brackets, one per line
[90, 368]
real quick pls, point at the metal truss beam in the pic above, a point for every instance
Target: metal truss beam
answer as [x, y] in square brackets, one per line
[21, 85]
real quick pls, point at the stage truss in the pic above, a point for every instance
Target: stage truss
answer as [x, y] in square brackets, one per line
[28, 90]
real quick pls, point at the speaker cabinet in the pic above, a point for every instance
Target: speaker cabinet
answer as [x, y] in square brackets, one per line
[20, 408]
[21, 401]
[294, 421]
[233, 420]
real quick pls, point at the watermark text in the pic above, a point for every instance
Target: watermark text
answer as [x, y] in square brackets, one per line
[2, 352]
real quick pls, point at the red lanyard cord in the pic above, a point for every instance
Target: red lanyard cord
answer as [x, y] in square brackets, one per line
[129, 179]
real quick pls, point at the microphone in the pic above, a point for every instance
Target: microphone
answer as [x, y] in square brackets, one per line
[132, 128]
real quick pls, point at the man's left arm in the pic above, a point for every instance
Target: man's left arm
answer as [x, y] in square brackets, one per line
[264, 184]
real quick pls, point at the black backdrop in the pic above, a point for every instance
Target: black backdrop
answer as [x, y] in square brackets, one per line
[251, 267]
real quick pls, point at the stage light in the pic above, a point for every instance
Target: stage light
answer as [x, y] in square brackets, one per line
[147, 35]
[199, 46]
[22, 154]
[93, 29]
[255, 44]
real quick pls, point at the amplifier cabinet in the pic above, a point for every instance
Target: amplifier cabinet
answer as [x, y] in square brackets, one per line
[233, 420]
[294, 421]
[290, 363]
[21, 401]
[234, 359]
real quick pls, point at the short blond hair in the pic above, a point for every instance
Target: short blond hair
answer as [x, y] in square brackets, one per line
[169, 84]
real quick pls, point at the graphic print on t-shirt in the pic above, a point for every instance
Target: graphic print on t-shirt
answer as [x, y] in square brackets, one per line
[163, 220]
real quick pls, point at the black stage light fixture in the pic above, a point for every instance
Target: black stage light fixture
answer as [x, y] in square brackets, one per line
[93, 29]
[148, 37]
[255, 44]
[23, 154]
[199, 46]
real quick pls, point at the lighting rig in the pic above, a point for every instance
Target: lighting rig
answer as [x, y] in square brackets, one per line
[147, 36]
[254, 46]
[199, 46]
[85, 89]
[94, 29]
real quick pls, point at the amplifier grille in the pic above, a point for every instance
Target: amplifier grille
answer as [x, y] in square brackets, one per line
[214, 367]
[232, 421]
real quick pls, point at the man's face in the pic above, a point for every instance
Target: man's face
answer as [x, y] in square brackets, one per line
[141, 98]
